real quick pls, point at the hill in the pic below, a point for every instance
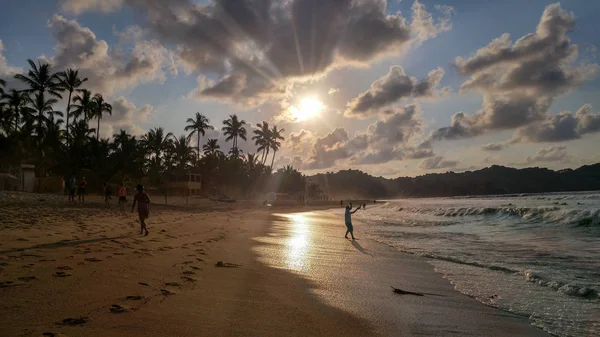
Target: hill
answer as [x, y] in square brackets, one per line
[490, 180]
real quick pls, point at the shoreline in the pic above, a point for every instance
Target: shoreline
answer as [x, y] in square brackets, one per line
[59, 262]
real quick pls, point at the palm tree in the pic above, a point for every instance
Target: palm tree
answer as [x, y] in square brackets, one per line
[211, 147]
[85, 107]
[100, 106]
[70, 81]
[261, 139]
[156, 142]
[43, 107]
[234, 129]
[41, 79]
[183, 154]
[2, 85]
[198, 126]
[274, 143]
[16, 101]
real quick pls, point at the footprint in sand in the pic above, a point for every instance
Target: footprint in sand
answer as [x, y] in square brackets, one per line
[188, 272]
[117, 309]
[167, 292]
[61, 274]
[144, 283]
[7, 284]
[195, 268]
[92, 259]
[73, 321]
[172, 284]
[27, 278]
[22, 239]
[134, 298]
[222, 264]
[64, 268]
[54, 334]
[188, 279]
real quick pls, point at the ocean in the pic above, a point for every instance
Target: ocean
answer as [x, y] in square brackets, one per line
[536, 255]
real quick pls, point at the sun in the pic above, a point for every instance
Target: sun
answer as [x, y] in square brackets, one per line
[308, 108]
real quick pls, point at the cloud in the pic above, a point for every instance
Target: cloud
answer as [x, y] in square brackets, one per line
[106, 69]
[437, 162]
[80, 6]
[383, 141]
[392, 87]
[6, 71]
[561, 127]
[201, 84]
[550, 154]
[333, 91]
[519, 81]
[260, 47]
[126, 116]
[493, 147]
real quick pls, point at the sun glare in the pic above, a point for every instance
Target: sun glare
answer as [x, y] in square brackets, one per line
[309, 108]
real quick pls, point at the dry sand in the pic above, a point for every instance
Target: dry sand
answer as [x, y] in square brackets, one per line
[84, 271]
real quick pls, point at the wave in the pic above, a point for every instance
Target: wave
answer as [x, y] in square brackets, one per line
[561, 287]
[574, 217]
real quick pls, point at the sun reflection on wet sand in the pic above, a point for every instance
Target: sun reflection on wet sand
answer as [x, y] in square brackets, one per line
[297, 244]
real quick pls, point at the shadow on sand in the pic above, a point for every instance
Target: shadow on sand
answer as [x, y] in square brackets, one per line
[360, 248]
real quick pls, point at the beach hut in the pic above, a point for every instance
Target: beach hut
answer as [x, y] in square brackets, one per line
[27, 176]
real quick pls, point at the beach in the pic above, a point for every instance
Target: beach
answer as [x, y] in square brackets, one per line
[217, 269]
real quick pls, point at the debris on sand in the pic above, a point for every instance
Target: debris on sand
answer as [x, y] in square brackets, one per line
[74, 321]
[404, 292]
[222, 264]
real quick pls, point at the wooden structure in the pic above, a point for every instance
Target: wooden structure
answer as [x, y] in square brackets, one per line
[189, 184]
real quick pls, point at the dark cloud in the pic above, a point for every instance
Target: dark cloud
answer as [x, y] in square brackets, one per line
[328, 149]
[260, 45]
[437, 162]
[392, 87]
[550, 154]
[561, 127]
[519, 81]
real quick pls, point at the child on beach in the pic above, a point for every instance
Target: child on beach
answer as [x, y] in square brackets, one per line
[122, 197]
[348, 217]
[143, 201]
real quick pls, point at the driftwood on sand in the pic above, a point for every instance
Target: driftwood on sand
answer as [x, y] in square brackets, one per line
[404, 292]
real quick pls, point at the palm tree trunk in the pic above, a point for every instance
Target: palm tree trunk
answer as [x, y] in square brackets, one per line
[98, 130]
[198, 145]
[273, 160]
[67, 126]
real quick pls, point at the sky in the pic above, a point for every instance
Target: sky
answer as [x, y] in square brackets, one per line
[392, 88]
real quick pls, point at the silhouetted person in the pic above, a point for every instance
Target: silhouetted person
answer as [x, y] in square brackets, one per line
[364, 206]
[143, 201]
[107, 194]
[122, 197]
[341, 203]
[348, 218]
[81, 189]
[72, 186]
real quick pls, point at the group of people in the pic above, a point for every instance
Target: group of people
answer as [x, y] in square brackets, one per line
[142, 199]
[78, 187]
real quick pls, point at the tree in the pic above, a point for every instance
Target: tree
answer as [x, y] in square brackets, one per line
[70, 81]
[183, 154]
[100, 106]
[41, 79]
[314, 191]
[156, 142]
[212, 147]
[274, 141]
[42, 107]
[85, 107]
[16, 104]
[234, 129]
[198, 126]
[262, 136]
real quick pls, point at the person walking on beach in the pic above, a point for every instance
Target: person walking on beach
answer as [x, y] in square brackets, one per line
[348, 218]
[107, 193]
[72, 185]
[81, 189]
[143, 201]
[122, 197]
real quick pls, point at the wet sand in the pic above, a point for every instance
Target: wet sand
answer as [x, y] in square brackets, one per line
[84, 271]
